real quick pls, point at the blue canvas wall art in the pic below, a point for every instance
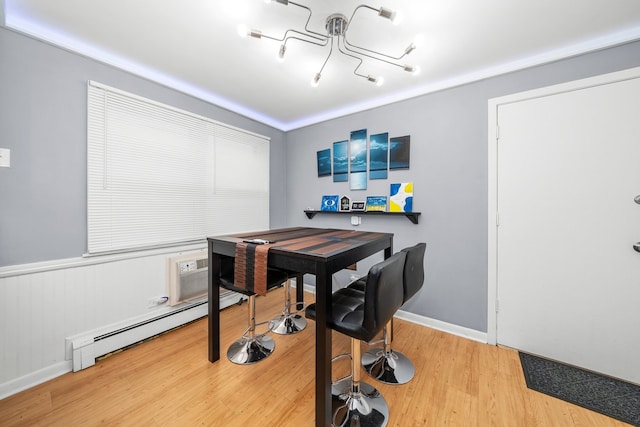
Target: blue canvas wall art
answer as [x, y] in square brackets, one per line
[324, 162]
[358, 159]
[378, 156]
[399, 152]
[340, 161]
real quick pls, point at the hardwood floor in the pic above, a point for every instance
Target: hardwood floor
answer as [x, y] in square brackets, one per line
[168, 381]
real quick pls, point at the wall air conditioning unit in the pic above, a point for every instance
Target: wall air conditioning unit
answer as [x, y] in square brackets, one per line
[188, 280]
[187, 287]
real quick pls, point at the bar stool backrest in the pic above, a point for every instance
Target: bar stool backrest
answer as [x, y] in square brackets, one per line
[383, 296]
[413, 269]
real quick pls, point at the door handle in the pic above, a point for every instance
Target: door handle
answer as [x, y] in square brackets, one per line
[637, 199]
[636, 247]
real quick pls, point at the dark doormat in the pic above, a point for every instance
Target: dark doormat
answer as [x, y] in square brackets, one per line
[608, 396]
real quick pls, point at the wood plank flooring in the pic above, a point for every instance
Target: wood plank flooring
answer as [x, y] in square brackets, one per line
[168, 381]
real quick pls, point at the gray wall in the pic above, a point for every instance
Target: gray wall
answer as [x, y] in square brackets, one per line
[43, 109]
[449, 169]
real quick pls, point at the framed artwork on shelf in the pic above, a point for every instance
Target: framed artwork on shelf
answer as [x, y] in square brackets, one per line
[401, 197]
[357, 206]
[376, 204]
[345, 204]
[329, 203]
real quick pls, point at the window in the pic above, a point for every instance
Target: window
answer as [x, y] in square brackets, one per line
[160, 176]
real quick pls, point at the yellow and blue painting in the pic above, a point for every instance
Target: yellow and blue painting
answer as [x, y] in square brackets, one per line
[401, 197]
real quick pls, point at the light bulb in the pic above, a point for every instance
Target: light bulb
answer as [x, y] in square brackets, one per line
[316, 80]
[377, 80]
[281, 53]
[413, 69]
[397, 18]
[243, 31]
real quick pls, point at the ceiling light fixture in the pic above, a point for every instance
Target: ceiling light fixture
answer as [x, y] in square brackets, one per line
[337, 26]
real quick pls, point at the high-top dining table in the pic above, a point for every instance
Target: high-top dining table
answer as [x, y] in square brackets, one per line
[318, 251]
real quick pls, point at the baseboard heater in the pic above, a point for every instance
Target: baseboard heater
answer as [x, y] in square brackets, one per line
[187, 285]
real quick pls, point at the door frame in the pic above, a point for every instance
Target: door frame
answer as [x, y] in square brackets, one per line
[492, 161]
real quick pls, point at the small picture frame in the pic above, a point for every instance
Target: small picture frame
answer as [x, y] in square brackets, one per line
[329, 203]
[357, 206]
[345, 204]
[376, 204]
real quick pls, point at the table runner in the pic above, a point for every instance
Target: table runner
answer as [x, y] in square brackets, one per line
[251, 267]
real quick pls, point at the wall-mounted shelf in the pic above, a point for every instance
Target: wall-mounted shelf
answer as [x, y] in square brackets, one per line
[413, 216]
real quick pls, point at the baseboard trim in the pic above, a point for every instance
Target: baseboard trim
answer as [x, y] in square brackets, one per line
[439, 325]
[33, 379]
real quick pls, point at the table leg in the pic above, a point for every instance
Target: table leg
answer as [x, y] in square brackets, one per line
[323, 349]
[299, 292]
[214, 305]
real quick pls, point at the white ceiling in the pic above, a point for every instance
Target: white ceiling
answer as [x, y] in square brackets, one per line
[193, 46]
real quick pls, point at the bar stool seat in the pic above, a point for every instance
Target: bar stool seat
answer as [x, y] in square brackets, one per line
[361, 315]
[250, 347]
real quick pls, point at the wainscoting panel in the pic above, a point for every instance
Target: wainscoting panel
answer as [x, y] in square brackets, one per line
[43, 304]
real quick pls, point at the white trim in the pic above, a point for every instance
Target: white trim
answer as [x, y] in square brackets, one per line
[33, 379]
[493, 105]
[59, 264]
[439, 325]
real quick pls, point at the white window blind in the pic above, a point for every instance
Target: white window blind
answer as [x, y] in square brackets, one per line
[160, 176]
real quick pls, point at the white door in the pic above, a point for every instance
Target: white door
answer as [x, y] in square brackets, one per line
[568, 277]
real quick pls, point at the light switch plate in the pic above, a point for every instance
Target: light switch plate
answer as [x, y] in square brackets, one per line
[5, 157]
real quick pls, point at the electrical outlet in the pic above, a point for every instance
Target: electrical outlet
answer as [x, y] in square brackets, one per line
[355, 220]
[188, 266]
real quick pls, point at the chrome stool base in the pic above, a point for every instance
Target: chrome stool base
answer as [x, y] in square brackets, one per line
[246, 351]
[365, 407]
[389, 367]
[287, 324]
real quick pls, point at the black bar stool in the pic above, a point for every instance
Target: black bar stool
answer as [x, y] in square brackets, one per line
[250, 347]
[361, 315]
[387, 365]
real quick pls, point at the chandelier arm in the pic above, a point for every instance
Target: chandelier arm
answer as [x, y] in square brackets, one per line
[306, 25]
[291, 30]
[352, 47]
[346, 46]
[328, 56]
[358, 8]
[360, 61]
[324, 43]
